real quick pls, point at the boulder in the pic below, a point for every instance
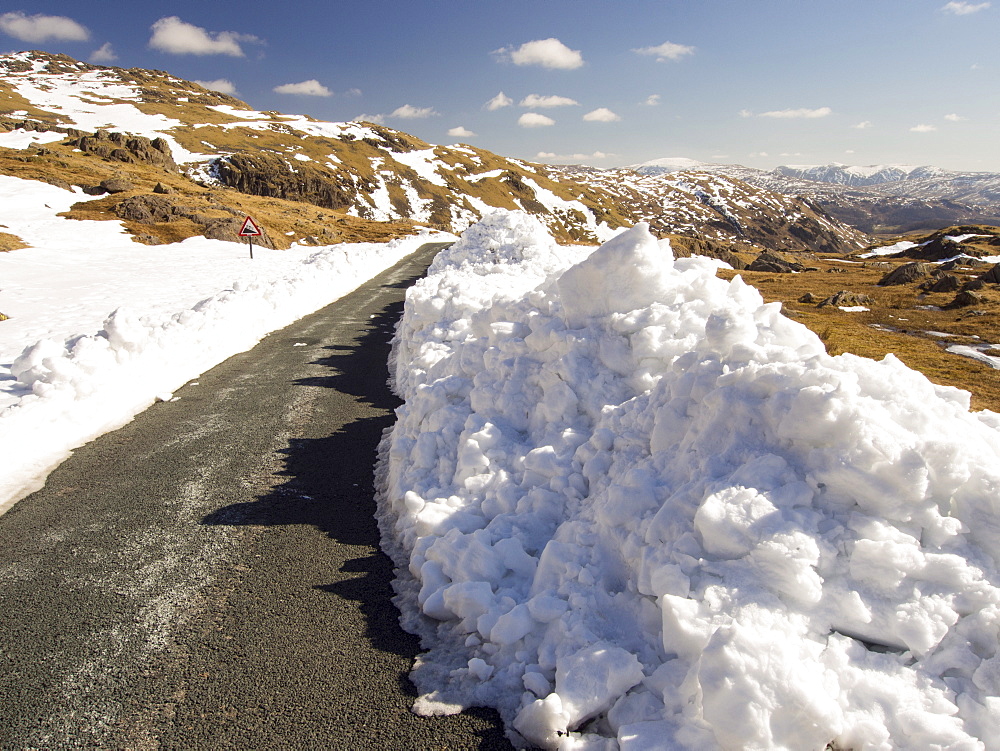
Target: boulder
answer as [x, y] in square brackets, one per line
[117, 185]
[908, 272]
[846, 298]
[943, 283]
[229, 229]
[992, 276]
[772, 262]
[146, 209]
[965, 299]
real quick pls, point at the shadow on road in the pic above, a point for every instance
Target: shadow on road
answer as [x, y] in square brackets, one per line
[330, 486]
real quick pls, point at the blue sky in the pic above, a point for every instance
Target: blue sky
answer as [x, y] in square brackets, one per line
[610, 83]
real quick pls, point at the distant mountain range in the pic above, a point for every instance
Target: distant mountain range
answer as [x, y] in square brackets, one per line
[859, 177]
[876, 199]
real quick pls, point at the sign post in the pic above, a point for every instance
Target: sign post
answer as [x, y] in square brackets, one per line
[250, 230]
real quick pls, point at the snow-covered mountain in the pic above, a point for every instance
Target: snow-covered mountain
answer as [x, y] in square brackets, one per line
[884, 199]
[209, 151]
[855, 176]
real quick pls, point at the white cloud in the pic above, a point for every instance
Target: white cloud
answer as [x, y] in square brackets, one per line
[746, 113]
[353, 92]
[955, 118]
[548, 53]
[409, 112]
[377, 119]
[312, 87]
[171, 34]
[498, 102]
[849, 151]
[798, 114]
[960, 8]
[534, 120]
[863, 125]
[460, 132]
[103, 54]
[534, 100]
[923, 128]
[222, 85]
[652, 100]
[41, 28]
[756, 154]
[666, 51]
[601, 115]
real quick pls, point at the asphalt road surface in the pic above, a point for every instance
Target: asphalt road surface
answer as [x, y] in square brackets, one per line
[208, 576]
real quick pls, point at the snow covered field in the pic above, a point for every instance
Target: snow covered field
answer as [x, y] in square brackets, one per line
[632, 506]
[101, 326]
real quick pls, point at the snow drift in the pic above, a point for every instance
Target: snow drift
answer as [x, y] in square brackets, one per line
[632, 506]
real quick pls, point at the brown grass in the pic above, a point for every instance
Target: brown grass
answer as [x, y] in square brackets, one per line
[10, 242]
[895, 322]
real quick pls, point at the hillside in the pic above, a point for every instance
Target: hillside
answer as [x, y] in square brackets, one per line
[876, 200]
[177, 160]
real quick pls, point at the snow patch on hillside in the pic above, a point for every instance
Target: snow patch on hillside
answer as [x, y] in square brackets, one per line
[633, 506]
[101, 326]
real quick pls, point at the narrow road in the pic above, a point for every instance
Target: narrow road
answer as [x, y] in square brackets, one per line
[208, 576]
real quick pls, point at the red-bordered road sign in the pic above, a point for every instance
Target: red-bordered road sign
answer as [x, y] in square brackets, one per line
[250, 228]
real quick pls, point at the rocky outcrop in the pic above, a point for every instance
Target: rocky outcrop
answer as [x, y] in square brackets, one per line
[272, 176]
[684, 247]
[126, 148]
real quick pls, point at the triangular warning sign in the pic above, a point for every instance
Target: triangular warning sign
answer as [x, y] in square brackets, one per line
[250, 229]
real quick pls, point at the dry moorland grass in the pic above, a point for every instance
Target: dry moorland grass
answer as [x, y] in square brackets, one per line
[10, 242]
[913, 325]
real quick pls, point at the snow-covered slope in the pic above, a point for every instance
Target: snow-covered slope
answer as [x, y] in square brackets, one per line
[707, 202]
[635, 508]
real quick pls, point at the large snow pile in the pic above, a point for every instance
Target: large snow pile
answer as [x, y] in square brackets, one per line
[101, 326]
[632, 506]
